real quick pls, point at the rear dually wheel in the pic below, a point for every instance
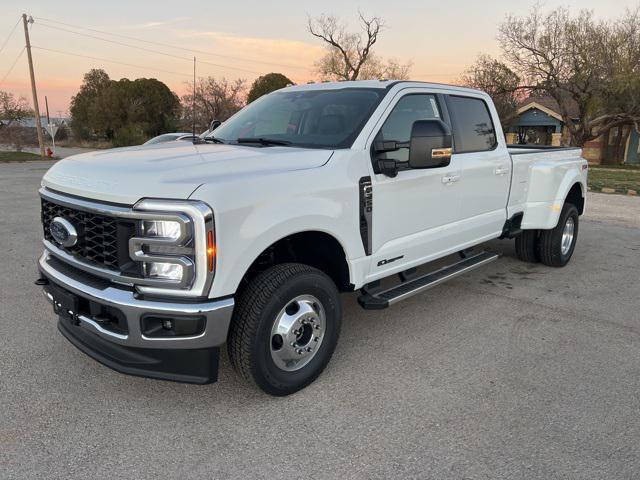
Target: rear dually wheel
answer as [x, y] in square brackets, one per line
[557, 245]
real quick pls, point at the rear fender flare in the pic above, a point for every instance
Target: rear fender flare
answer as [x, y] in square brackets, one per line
[544, 214]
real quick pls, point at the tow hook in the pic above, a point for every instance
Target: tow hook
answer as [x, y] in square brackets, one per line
[42, 281]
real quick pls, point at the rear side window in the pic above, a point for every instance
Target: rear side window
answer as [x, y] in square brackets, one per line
[473, 127]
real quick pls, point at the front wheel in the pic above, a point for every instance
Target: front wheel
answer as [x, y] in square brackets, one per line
[285, 328]
[556, 246]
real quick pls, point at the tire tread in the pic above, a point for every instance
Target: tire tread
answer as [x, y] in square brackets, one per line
[527, 246]
[249, 307]
[548, 248]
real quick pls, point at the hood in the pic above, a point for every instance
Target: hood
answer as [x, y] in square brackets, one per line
[170, 170]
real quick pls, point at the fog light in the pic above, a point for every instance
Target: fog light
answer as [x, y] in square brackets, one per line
[162, 270]
[162, 228]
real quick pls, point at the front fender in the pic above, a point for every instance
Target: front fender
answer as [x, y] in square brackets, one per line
[244, 233]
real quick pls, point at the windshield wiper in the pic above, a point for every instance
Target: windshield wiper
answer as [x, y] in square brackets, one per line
[263, 141]
[211, 139]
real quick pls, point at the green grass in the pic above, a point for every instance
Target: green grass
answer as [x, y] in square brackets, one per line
[620, 180]
[18, 156]
[616, 167]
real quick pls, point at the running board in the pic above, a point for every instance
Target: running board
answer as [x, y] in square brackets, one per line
[371, 300]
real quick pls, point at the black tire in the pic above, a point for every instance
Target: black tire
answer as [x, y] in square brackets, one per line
[527, 246]
[550, 247]
[259, 305]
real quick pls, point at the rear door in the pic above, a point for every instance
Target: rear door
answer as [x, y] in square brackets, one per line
[480, 153]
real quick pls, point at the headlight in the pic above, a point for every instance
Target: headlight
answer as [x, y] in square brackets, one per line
[164, 270]
[174, 247]
[162, 228]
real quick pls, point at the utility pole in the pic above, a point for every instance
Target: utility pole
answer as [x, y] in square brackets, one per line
[193, 102]
[46, 104]
[25, 22]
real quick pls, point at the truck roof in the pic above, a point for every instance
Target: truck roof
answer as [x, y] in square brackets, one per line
[381, 84]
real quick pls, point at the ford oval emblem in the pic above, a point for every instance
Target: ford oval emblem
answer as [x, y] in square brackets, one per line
[63, 232]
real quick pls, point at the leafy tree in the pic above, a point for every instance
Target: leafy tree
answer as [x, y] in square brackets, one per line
[94, 82]
[349, 55]
[124, 111]
[500, 82]
[214, 99]
[267, 84]
[591, 65]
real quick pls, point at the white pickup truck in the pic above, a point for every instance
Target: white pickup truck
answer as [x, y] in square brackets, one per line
[154, 257]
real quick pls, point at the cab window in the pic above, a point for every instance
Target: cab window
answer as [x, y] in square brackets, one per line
[397, 126]
[473, 127]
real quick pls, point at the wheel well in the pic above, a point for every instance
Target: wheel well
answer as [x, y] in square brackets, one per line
[316, 249]
[575, 197]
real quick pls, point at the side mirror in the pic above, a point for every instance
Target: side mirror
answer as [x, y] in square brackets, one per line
[214, 124]
[430, 144]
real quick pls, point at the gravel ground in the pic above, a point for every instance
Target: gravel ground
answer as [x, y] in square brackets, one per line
[514, 371]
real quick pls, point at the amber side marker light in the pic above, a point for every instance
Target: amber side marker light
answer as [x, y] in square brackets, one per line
[211, 250]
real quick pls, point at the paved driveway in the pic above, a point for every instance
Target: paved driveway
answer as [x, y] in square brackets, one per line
[514, 371]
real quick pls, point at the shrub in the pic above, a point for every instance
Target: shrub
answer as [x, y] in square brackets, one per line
[128, 135]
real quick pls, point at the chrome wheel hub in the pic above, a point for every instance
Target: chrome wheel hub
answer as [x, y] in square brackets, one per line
[297, 333]
[567, 236]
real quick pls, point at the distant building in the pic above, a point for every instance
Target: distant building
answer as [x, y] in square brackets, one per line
[539, 122]
[30, 122]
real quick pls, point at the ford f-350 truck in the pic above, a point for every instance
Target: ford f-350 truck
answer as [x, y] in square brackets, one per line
[155, 257]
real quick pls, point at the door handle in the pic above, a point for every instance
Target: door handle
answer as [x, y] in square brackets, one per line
[501, 170]
[450, 178]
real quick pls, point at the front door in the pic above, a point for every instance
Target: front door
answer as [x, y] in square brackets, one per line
[414, 213]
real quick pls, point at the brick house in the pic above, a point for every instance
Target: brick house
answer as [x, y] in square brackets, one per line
[539, 122]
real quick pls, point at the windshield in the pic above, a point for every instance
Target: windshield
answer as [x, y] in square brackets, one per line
[313, 118]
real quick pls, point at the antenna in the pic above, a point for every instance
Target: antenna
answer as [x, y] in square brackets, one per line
[193, 102]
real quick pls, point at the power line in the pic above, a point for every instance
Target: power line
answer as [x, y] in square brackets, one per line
[190, 50]
[4, 44]
[148, 49]
[110, 61]
[12, 65]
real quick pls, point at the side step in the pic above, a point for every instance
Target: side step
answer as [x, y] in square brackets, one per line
[382, 299]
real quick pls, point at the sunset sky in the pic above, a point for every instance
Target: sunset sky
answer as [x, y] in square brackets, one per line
[240, 38]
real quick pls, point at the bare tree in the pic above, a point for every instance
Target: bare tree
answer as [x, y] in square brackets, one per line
[216, 99]
[349, 55]
[12, 111]
[586, 65]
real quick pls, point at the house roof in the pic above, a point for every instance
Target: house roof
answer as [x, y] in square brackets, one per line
[549, 105]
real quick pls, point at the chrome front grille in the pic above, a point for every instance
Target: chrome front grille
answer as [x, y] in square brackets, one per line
[108, 241]
[98, 235]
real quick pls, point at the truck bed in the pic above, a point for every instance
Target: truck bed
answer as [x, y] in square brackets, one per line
[541, 179]
[523, 149]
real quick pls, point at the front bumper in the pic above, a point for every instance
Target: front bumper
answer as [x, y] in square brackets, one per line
[190, 359]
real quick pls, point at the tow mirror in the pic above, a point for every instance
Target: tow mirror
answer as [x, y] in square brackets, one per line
[214, 124]
[430, 144]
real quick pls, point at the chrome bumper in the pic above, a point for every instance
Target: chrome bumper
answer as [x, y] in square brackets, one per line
[218, 313]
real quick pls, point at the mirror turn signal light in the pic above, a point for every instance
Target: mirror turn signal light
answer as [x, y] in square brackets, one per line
[441, 152]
